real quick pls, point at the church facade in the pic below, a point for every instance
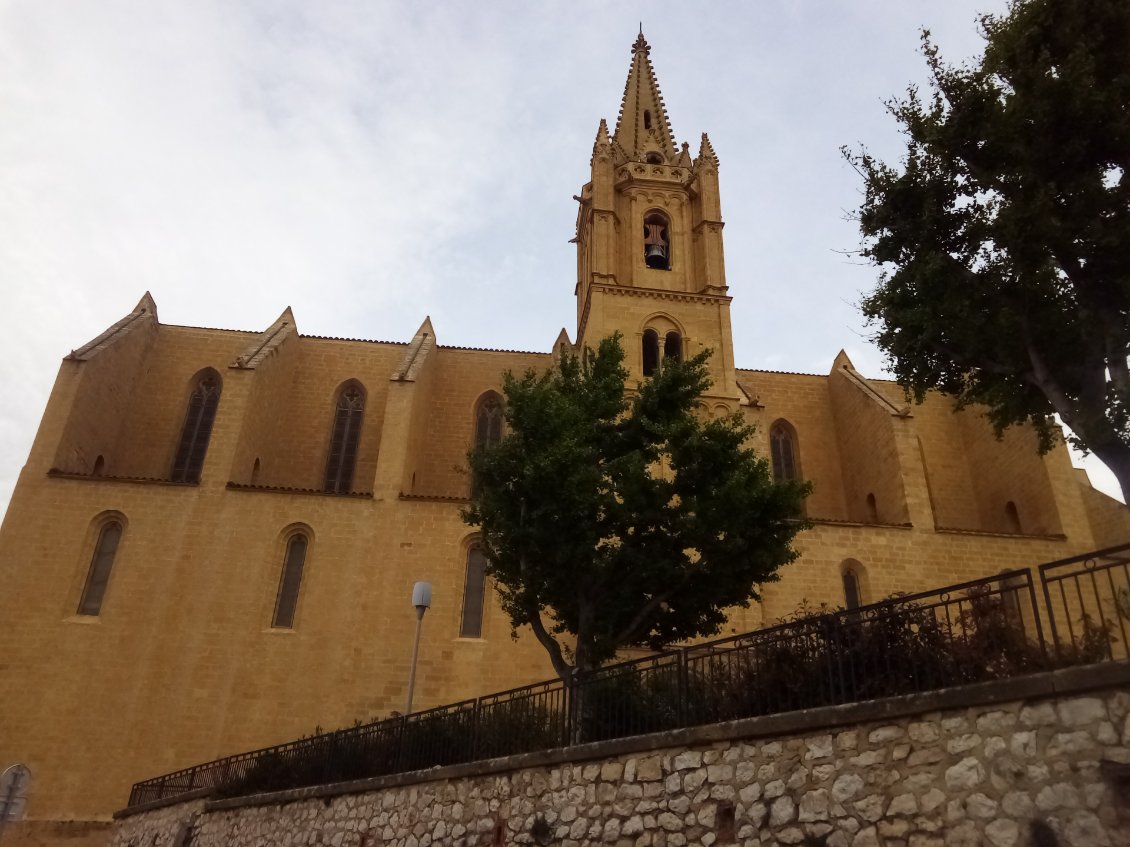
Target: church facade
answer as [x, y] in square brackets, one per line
[213, 543]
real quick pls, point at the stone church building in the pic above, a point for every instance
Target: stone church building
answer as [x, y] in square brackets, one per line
[213, 543]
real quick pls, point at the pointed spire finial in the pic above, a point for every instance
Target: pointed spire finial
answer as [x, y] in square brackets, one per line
[642, 128]
[706, 152]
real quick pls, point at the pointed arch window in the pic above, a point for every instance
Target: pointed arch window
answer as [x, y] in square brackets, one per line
[197, 429]
[488, 420]
[673, 346]
[650, 352]
[474, 592]
[291, 580]
[657, 241]
[101, 563]
[348, 414]
[488, 426]
[783, 450]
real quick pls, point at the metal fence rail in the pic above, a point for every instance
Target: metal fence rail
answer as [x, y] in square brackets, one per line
[1088, 604]
[990, 628]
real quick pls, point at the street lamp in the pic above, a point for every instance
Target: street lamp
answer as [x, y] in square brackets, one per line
[421, 599]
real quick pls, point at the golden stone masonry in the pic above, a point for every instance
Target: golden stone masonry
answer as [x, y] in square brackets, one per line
[211, 546]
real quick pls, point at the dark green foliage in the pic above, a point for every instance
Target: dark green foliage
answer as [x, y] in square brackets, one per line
[1092, 642]
[634, 701]
[318, 760]
[1004, 234]
[823, 657]
[611, 518]
[519, 727]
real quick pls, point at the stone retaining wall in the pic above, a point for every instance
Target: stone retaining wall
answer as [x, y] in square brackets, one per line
[1046, 767]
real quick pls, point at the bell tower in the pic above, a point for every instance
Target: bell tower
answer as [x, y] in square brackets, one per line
[649, 240]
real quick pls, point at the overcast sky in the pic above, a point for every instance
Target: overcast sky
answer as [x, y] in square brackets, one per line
[370, 163]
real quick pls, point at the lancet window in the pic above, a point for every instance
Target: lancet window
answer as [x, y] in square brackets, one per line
[101, 563]
[348, 414]
[474, 592]
[291, 580]
[650, 352]
[783, 450]
[197, 429]
[488, 420]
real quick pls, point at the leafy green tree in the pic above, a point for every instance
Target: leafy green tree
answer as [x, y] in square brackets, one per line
[1004, 234]
[610, 520]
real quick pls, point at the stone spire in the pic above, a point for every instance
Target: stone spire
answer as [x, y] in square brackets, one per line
[603, 144]
[642, 126]
[706, 156]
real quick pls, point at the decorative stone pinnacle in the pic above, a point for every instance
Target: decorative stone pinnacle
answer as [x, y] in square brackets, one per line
[641, 43]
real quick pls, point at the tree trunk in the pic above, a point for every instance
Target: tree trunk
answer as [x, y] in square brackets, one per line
[1116, 456]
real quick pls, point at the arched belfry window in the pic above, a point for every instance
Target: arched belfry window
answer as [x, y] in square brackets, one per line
[197, 428]
[474, 592]
[783, 450]
[101, 563]
[294, 560]
[673, 346]
[488, 420]
[650, 352]
[657, 241]
[348, 413]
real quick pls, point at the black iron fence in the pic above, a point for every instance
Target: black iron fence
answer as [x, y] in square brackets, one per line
[991, 628]
[1088, 604]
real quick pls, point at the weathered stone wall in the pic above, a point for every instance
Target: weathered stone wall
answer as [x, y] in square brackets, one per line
[908, 772]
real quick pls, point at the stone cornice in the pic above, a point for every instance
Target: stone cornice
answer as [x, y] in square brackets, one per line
[663, 294]
[657, 293]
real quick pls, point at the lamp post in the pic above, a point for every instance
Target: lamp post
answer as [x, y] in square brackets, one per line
[421, 599]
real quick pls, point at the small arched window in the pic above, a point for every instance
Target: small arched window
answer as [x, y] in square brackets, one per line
[101, 563]
[673, 346]
[1012, 518]
[783, 450]
[197, 428]
[647, 119]
[872, 509]
[474, 591]
[348, 413]
[290, 581]
[99, 464]
[851, 588]
[650, 352]
[488, 420]
[657, 241]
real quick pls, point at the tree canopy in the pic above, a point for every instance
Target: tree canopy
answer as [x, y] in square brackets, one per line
[1004, 233]
[610, 520]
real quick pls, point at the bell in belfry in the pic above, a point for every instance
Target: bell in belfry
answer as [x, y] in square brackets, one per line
[655, 244]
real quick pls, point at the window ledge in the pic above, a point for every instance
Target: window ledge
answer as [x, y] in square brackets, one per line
[464, 639]
[84, 620]
[282, 489]
[279, 630]
[1030, 536]
[142, 480]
